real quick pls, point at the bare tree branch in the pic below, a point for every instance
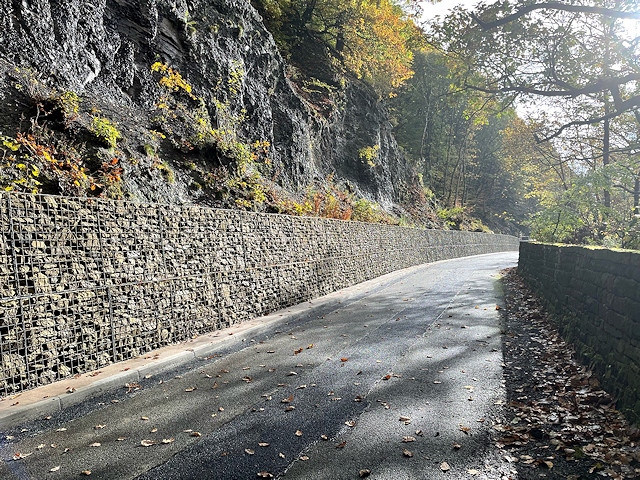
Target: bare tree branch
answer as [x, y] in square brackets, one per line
[607, 12]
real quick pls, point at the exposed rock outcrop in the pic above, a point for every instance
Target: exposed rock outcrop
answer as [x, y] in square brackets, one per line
[104, 51]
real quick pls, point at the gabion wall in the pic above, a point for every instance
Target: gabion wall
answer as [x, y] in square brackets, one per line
[85, 283]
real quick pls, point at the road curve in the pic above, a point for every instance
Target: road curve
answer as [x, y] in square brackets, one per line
[400, 376]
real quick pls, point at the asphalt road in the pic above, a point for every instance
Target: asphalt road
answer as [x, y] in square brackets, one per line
[395, 376]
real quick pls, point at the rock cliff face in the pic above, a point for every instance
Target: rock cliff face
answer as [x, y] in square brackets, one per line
[104, 52]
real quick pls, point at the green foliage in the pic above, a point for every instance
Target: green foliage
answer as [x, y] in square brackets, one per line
[69, 105]
[453, 217]
[369, 154]
[105, 131]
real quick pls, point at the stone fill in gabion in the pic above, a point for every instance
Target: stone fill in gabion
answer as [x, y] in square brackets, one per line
[88, 282]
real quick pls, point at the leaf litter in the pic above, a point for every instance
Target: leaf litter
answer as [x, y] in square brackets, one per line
[560, 422]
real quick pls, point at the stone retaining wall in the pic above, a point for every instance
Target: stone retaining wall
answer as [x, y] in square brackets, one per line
[84, 283]
[595, 294]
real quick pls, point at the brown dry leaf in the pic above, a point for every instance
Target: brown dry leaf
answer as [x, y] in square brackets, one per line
[221, 409]
[408, 439]
[437, 382]
[265, 475]
[364, 473]
[386, 377]
[247, 379]
[96, 444]
[290, 408]
[291, 374]
[263, 444]
[166, 441]
[324, 437]
[296, 352]
[55, 469]
[444, 466]
[548, 463]
[465, 429]
[281, 455]
[301, 387]
[344, 359]
[298, 433]
[144, 418]
[341, 444]
[148, 443]
[350, 423]
[99, 427]
[456, 446]
[86, 472]
[304, 458]
[249, 451]
[310, 346]
[407, 453]
[61, 429]
[404, 419]
[196, 434]
[473, 471]
[191, 389]
[153, 430]
[20, 456]
[289, 399]
[121, 439]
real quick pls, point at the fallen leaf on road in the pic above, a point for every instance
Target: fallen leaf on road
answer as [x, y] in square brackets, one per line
[364, 473]
[341, 444]
[407, 453]
[191, 389]
[350, 423]
[344, 359]
[265, 475]
[290, 408]
[20, 456]
[408, 439]
[304, 458]
[144, 418]
[96, 444]
[291, 374]
[153, 430]
[465, 429]
[86, 472]
[296, 352]
[404, 419]
[281, 455]
[166, 441]
[444, 466]
[324, 437]
[196, 434]
[247, 379]
[121, 439]
[99, 427]
[298, 433]
[148, 443]
[248, 451]
[456, 446]
[301, 387]
[263, 444]
[473, 471]
[55, 469]
[310, 346]
[61, 429]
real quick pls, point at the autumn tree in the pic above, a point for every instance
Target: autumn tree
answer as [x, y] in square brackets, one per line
[372, 39]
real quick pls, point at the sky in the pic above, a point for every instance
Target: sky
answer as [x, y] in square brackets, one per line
[442, 7]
